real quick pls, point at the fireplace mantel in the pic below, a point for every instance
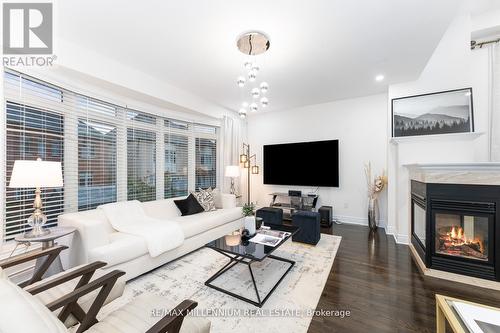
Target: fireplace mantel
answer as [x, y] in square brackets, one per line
[486, 173]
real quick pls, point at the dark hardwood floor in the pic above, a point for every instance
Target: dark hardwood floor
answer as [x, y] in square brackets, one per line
[377, 281]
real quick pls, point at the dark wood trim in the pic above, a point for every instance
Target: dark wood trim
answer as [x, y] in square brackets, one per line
[50, 254]
[172, 322]
[86, 272]
[105, 283]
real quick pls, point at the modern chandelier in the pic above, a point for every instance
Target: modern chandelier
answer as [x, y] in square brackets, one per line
[252, 44]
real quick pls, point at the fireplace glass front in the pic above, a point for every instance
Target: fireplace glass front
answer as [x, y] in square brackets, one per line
[461, 235]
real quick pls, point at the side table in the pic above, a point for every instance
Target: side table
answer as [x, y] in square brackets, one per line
[445, 312]
[47, 242]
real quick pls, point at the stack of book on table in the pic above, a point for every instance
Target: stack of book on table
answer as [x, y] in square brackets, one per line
[269, 237]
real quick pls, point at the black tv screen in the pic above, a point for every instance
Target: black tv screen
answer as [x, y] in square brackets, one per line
[304, 163]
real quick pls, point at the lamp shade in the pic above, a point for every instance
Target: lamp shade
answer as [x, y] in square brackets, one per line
[27, 174]
[232, 171]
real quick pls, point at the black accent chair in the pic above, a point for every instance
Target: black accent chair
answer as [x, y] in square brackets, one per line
[270, 215]
[309, 227]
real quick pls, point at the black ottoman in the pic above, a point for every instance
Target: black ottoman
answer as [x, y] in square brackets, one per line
[270, 215]
[309, 224]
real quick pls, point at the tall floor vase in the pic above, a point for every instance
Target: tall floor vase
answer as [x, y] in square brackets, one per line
[373, 213]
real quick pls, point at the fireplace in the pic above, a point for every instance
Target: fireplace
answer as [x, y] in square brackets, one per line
[455, 227]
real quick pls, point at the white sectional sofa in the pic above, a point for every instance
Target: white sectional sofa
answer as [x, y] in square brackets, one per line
[95, 238]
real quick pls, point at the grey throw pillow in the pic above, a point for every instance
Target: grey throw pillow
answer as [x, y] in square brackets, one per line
[206, 198]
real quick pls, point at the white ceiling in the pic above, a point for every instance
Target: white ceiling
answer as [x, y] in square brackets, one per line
[321, 50]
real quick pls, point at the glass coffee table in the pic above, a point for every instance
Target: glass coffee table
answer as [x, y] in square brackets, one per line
[247, 253]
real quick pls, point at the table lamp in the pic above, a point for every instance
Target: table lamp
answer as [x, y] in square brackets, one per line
[232, 171]
[36, 174]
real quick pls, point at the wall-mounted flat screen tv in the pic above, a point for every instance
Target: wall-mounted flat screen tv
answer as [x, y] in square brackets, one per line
[303, 163]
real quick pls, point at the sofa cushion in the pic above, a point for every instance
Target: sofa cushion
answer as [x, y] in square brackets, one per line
[189, 206]
[199, 223]
[139, 315]
[121, 248]
[205, 199]
[21, 312]
[162, 209]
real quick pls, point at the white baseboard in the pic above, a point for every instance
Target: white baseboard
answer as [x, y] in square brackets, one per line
[356, 220]
[399, 239]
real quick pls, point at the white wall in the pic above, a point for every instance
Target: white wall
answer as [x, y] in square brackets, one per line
[452, 66]
[360, 124]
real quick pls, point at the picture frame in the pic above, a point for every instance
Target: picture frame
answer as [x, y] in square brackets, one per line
[444, 112]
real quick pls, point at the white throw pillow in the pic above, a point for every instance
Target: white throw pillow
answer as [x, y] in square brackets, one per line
[205, 199]
[22, 312]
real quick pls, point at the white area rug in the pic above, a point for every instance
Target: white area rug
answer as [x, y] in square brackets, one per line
[288, 309]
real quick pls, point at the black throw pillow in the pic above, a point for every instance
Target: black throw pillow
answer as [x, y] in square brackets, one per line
[189, 206]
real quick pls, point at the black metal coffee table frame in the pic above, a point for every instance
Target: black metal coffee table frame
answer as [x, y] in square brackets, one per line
[239, 255]
[238, 259]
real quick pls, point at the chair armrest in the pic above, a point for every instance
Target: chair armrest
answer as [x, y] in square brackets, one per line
[85, 272]
[31, 255]
[51, 254]
[172, 322]
[69, 301]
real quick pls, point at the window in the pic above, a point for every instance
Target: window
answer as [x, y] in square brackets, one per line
[96, 164]
[141, 165]
[31, 133]
[206, 163]
[108, 152]
[85, 179]
[176, 165]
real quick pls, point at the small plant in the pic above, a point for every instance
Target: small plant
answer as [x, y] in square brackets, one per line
[248, 209]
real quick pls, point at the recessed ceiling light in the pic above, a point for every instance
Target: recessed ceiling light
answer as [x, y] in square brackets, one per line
[379, 78]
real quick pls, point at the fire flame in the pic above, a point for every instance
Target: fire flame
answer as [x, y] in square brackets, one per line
[457, 237]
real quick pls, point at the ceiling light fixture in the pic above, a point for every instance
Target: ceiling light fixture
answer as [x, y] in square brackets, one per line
[242, 113]
[252, 44]
[264, 101]
[264, 87]
[379, 78]
[240, 81]
[252, 76]
[255, 92]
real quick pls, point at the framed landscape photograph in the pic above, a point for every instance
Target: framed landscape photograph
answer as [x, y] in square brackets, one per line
[436, 113]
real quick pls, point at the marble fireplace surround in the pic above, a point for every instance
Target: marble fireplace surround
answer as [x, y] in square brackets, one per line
[486, 173]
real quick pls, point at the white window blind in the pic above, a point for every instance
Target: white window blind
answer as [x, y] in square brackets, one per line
[176, 173]
[31, 132]
[141, 165]
[206, 163]
[108, 152]
[96, 153]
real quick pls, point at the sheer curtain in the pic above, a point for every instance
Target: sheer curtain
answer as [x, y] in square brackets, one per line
[494, 103]
[233, 131]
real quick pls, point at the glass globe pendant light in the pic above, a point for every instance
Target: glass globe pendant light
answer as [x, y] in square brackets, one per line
[264, 87]
[242, 113]
[264, 102]
[255, 93]
[248, 65]
[252, 76]
[254, 107]
[240, 81]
